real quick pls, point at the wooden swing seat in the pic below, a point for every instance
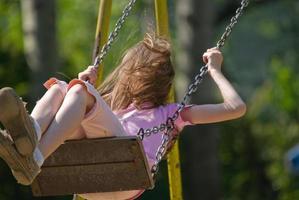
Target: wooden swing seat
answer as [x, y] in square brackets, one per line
[94, 165]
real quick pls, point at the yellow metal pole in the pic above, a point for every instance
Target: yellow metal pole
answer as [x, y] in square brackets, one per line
[162, 17]
[101, 37]
[173, 161]
[102, 32]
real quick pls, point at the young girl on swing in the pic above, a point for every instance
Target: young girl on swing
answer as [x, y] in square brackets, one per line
[133, 96]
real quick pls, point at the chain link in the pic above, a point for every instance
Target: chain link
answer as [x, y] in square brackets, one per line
[233, 21]
[113, 35]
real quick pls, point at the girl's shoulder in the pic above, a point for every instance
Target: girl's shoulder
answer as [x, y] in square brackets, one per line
[167, 109]
[170, 109]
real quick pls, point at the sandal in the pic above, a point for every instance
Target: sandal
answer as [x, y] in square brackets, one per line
[17, 121]
[24, 168]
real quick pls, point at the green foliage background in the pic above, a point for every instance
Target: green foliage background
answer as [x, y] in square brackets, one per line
[260, 58]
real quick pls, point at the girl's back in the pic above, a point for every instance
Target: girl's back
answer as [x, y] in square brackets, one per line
[134, 119]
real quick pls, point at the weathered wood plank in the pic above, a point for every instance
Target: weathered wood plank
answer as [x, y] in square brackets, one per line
[97, 165]
[93, 151]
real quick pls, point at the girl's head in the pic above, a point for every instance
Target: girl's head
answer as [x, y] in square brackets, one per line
[144, 75]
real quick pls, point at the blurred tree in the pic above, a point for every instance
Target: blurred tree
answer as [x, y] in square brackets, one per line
[261, 58]
[13, 69]
[200, 164]
[39, 26]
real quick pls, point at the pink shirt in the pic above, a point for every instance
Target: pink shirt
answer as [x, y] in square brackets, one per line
[133, 119]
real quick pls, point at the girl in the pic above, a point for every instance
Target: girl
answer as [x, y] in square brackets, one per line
[133, 96]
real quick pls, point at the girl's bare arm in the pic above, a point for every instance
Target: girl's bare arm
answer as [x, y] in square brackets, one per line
[232, 106]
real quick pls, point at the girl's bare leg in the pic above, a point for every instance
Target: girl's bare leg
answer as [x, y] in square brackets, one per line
[47, 107]
[68, 119]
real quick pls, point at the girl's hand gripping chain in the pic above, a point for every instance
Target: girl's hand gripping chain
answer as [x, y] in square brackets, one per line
[232, 106]
[213, 57]
[90, 75]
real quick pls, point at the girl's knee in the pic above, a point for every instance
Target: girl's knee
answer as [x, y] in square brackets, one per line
[80, 90]
[57, 90]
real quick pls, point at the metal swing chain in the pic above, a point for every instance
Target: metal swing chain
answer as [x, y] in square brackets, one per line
[113, 35]
[169, 125]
